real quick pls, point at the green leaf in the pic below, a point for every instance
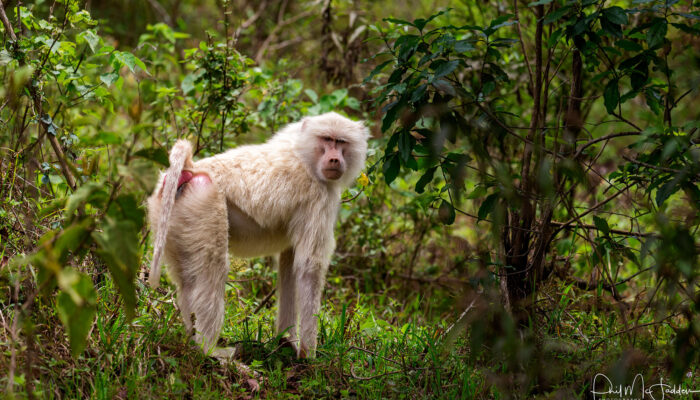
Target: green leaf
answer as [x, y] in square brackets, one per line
[312, 95]
[539, 3]
[398, 21]
[126, 206]
[420, 23]
[616, 15]
[76, 307]
[691, 16]
[407, 45]
[445, 68]
[91, 39]
[556, 14]
[611, 96]
[188, 83]
[109, 78]
[391, 168]
[501, 21]
[425, 179]
[554, 38]
[601, 225]
[444, 86]
[406, 143]
[71, 238]
[352, 103]
[5, 57]
[630, 255]
[478, 192]
[157, 154]
[393, 140]
[666, 191]
[130, 60]
[377, 70]
[639, 75]
[339, 95]
[118, 247]
[411, 163]
[656, 33]
[81, 195]
[628, 45]
[462, 46]
[446, 213]
[652, 98]
[392, 112]
[494, 27]
[418, 93]
[611, 28]
[488, 205]
[104, 137]
[396, 76]
[686, 28]
[326, 103]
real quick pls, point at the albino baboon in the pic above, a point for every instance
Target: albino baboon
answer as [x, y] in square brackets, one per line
[281, 196]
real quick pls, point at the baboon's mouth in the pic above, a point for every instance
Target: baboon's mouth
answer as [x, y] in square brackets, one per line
[332, 173]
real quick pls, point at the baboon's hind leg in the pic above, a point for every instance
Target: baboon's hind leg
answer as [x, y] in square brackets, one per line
[200, 235]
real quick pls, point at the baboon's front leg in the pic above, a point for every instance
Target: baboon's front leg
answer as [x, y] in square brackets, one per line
[286, 303]
[310, 277]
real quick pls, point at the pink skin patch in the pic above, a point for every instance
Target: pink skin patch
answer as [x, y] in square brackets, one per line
[198, 180]
[185, 177]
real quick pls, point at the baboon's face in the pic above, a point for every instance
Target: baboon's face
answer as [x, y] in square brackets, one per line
[330, 151]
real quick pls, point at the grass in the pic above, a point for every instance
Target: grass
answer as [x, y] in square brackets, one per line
[386, 344]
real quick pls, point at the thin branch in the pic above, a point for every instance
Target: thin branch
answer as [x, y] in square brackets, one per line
[590, 210]
[374, 354]
[250, 21]
[625, 120]
[353, 197]
[160, 10]
[662, 321]
[615, 231]
[7, 24]
[656, 167]
[449, 332]
[286, 43]
[369, 378]
[502, 125]
[602, 138]
[264, 301]
[683, 95]
[273, 35]
[522, 45]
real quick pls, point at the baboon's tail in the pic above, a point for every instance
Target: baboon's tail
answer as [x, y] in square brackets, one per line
[180, 157]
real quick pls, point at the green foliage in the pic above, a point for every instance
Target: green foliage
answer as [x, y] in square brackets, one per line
[118, 247]
[76, 307]
[556, 166]
[451, 97]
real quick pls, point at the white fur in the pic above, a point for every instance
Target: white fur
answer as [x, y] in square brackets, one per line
[179, 156]
[264, 199]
